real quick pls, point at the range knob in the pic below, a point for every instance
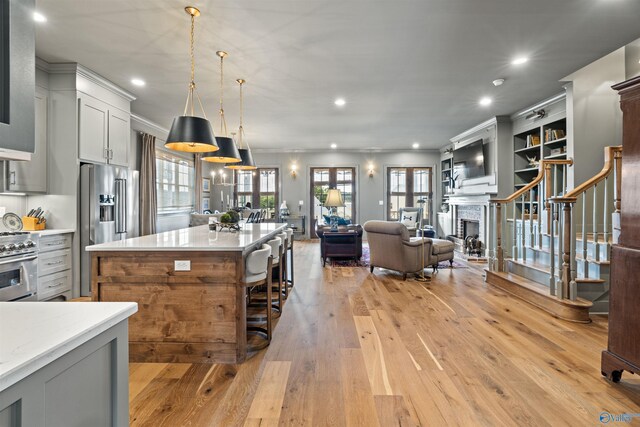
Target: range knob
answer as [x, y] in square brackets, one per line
[11, 247]
[20, 246]
[29, 243]
[3, 248]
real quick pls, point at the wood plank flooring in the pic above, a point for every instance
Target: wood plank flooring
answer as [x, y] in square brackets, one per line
[360, 349]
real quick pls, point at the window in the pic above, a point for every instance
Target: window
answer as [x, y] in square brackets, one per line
[341, 178]
[175, 182]
[260, 188]
[409, 187]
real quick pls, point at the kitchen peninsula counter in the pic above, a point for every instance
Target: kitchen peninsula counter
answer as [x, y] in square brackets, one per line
[188, 286]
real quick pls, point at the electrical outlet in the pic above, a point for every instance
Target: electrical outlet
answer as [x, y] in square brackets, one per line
[381, 202]
[182, 265]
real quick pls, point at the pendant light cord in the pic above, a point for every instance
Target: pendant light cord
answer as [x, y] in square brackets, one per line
[241, 127]
[193, 92]
[223, 122]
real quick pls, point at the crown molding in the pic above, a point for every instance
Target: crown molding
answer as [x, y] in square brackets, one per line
[494, 121]
[338, 151]
[82, 71]
[148, 123]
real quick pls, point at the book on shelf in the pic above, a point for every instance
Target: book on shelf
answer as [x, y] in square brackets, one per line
[533, 140]
[553, 134]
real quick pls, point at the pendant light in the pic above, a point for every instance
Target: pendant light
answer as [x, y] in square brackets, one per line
[227, 152]
[247, 162]
[188, 132]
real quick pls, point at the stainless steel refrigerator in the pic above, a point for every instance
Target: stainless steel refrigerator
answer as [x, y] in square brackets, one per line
[108, 210]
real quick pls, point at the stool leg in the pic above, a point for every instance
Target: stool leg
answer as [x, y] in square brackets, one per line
[292, 270]
[283, 274]
[268, 308]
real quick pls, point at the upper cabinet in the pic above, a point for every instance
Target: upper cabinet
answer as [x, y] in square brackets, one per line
[17, 78]
[104, 132]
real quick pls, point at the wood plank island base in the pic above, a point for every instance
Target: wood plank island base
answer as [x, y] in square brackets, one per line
[188, 286]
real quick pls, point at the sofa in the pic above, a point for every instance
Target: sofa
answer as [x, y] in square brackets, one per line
[337, 244]
[391, 247]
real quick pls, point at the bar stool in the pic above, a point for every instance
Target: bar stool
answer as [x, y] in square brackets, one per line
[284, 262]
[289, 255]
[277, 261]
[257, 275]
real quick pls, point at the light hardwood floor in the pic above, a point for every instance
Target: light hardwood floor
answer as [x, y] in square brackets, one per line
[360, 349]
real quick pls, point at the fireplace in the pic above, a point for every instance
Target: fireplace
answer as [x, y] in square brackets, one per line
[469, 219]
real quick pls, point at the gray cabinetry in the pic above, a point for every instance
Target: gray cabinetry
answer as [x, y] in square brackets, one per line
[17, 76]
[104, 132]
[55, 273]
[88, 386]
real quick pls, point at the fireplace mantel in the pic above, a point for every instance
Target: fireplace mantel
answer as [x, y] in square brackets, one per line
[460, 205]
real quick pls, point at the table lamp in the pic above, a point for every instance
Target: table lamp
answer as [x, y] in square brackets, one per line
[333, 201]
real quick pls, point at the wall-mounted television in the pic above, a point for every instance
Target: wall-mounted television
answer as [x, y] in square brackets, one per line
[468, 161]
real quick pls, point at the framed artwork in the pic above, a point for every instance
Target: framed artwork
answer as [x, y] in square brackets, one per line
[205, 203]
[206, 185]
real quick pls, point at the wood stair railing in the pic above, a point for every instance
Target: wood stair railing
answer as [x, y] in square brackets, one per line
[603, 212]
[551, 180]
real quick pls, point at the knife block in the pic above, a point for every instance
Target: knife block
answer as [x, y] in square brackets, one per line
[31, 224]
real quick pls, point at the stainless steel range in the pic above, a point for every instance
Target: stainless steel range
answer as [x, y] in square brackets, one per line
[18, 265]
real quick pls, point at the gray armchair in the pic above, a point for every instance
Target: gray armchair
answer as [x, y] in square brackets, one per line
[390, 247]
[409, 216]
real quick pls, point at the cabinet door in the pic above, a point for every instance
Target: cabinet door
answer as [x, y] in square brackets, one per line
[93, 120]
[31, 177]
[119, 137]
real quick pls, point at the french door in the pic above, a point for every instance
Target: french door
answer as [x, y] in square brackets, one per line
[322, 179]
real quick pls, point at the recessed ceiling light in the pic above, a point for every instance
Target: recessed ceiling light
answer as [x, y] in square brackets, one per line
[485, 101]
[38, 17]
[498, 82]
[334, 145]
[340, 102]
[138, 82]
[415, 145]
[520, 60]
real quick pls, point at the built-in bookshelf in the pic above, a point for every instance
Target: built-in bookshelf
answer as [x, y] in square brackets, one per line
[446, 171]
[548, 141]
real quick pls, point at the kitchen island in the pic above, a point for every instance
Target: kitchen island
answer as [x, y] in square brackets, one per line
[188, 286]
[64, 363]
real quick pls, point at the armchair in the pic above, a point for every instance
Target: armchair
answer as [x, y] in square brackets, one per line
[390, 247]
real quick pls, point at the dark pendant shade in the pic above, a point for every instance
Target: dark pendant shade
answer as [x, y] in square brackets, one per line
[227, 153]
[247, 162]
[191, 134]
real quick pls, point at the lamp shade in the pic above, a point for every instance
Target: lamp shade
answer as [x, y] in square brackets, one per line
[334, 199]
[191, 134]
[247, 162]
[227, 152]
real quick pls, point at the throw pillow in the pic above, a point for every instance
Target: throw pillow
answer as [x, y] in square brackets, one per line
[409, 220]
[342, 221]
[327, 219]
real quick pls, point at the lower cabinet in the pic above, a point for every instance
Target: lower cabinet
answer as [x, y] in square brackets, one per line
[86, 387]
[55, 273]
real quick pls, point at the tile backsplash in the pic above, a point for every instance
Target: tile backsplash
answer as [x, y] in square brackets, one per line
[15, 204]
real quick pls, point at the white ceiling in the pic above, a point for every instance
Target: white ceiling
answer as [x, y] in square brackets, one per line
[410, 70]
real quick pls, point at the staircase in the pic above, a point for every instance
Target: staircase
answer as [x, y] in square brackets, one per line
[558, 259]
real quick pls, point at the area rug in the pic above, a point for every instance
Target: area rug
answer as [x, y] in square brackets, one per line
[445, 265]
[350, 262]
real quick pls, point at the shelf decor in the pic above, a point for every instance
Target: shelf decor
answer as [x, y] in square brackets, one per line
[189, 132]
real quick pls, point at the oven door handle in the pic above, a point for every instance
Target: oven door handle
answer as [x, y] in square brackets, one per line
[9, 261]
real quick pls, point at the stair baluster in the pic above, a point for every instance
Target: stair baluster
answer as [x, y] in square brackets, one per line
[612, 164]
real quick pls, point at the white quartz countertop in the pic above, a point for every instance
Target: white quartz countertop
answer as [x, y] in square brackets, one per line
[34, 334]
[197, 239]
[52, 231]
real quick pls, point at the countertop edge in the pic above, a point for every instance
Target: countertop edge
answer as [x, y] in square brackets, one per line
[38, 361]
[105, 248]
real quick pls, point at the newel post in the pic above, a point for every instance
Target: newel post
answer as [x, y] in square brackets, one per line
[499, 251]
[566, 252]
[617, 170]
